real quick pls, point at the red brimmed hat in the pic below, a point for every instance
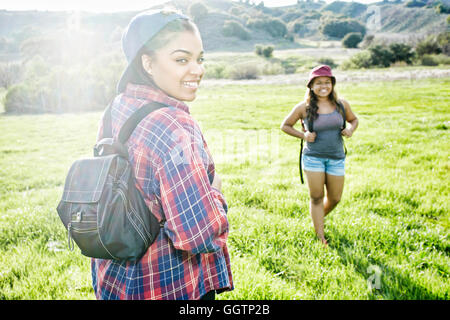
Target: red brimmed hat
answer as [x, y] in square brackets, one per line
[321, 71]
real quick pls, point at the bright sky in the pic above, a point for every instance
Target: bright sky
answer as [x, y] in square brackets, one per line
[109, 6]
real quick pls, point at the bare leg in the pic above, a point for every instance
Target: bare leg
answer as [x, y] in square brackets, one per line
[335, 186]
[316, 182]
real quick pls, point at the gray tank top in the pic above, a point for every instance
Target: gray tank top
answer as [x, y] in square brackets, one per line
[328, 143]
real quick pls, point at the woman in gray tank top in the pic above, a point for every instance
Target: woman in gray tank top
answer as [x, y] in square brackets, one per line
[323, 157]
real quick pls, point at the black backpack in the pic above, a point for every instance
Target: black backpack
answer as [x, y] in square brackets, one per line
[310, 123]
[101, 208]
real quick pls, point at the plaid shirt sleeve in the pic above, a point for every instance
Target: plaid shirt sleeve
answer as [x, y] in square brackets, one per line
[195, 212]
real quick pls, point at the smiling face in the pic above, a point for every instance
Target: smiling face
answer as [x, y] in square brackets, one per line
[322, 86]
[177, 68]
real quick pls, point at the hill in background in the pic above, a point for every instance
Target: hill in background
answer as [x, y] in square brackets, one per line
[70, 61]
[228, 26]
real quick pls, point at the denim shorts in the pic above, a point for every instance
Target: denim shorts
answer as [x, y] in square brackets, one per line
[335, 167]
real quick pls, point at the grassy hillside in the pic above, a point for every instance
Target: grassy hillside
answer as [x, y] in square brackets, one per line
[398, 19]
[349, 9]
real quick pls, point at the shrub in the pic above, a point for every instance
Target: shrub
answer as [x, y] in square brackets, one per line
[289, 37]
[275, 27]
[235, 11]
[235, 29]
[313, 15]
[429, 45]
[360, 60]
[215, 71]
[289, 66]
[258, 49]
[265, 51]
[442, 8]
[381, 56]
[352, 39]
[402, 52]
[415, 3]
[245, 71]
[428, 60]
[442, 59]
[443, 39]
[36, 67]
[338, 28]
[10, 74]
[272, 68]
[368, 40]
[58, 88]
[300, 28]
[291, 16]
[197, 10]
[292, 64]
[18, 99]
[328, 61]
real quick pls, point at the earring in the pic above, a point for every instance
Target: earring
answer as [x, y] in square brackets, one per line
[148, 70]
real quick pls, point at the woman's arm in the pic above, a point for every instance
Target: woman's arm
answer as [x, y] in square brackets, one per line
[194, 209]
[287, 126]
[351, 119]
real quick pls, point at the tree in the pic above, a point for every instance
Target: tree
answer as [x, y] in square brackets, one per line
[352, 39]
[414, 3]
[328, 61]
[10, 74]
[442, 8]
[300, 28]
[265, 51]
[428, 46]
[402, 52]
[235, 29]
[258, 49]
[443, 40]
[275, 27]
[360, 60]
[338, 28]
[381, 56]
[197, 10]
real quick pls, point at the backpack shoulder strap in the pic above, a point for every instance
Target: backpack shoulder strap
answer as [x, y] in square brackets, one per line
[107, 127]
[131, 123]
[342, 111]
[310, 124]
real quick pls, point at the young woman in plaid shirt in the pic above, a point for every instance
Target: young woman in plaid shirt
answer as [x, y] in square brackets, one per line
[173, 167]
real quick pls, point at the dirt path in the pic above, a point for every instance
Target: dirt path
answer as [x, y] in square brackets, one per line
[342, 76]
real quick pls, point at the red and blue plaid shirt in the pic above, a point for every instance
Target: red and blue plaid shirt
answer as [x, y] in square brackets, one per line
[174, 171]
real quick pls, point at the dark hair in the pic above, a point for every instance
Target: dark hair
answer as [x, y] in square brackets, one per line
[138, 75]
[311, 101]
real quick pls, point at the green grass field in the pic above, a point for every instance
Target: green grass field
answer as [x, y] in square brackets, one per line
[388, 238]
